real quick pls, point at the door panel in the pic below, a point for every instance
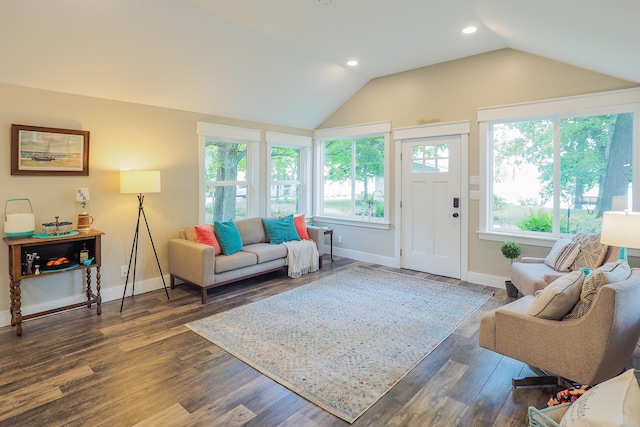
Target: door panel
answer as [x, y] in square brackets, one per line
[430, 222]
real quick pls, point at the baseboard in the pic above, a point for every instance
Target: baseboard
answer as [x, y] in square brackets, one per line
[486, 279]
[363, 256]
[108, 294]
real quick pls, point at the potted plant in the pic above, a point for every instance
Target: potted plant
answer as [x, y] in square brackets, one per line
[511, 251]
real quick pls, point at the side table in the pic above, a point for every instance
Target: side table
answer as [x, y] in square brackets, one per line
[24, 252]
[329, 231]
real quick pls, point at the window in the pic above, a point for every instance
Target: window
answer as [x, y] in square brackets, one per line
[555, 174]
[226, 188]
[354, 165]
[288, 174]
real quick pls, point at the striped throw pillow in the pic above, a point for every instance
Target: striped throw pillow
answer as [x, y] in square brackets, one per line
[562, 255]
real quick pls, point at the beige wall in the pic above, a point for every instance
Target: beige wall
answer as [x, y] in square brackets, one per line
[123, 136]
[454, 91]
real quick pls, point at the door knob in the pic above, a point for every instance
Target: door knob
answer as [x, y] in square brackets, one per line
[455, 215]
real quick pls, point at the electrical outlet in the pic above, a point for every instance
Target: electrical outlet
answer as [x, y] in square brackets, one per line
[339, 240]
[123, 270]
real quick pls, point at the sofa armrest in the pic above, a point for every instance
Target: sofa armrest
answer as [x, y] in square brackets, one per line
[192, 261]
[317, 235]
[531, 260]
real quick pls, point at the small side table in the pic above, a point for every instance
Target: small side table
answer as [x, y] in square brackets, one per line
[329, 231]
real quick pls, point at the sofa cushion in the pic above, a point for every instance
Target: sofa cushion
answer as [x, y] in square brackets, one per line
[615, 402]
[609, 273]
[229, 237]
[562, 254]
[204, 234]
[280, 229]
[558, 298]
[266, 252]
[233, 262]
[530, 277]
[301, 227]
[592, 252]
[251, 231]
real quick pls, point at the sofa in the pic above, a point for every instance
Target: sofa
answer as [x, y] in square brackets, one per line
[532, 274]
[197, 264]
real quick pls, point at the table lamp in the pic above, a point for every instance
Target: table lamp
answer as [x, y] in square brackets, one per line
[140, 182]
[84, 219]
[622, 229]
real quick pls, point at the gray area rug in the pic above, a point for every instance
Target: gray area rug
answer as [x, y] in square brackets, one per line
[343, 341]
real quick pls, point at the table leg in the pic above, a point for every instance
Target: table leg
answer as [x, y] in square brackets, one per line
[98, 297]
[88, 270]
[12, 303]
[331, 242]
[17, 314]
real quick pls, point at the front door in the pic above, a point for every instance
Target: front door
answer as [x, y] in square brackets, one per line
[431, 223]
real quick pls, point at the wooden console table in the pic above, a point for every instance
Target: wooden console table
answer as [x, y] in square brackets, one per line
[26, 253]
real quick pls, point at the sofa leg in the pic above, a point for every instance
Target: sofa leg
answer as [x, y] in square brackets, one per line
[172, 281]
[204, 295]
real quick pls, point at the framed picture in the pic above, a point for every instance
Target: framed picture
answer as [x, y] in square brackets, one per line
[48, 151]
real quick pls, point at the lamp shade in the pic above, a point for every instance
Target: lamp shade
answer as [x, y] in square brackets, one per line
[621, 229]
[139, 182]
[82, 194]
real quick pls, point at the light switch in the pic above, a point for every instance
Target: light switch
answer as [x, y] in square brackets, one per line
[474, 180]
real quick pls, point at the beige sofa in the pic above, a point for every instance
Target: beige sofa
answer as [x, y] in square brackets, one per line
[196, 264]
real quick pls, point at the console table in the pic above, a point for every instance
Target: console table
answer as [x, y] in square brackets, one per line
[27, 253]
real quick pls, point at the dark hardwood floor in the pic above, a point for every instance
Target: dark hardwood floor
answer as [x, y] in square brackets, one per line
[143, 367]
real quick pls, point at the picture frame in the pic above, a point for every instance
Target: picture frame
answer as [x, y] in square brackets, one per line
[37, 150]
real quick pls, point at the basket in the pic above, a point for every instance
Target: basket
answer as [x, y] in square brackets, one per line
[547, 417]
[18, 218]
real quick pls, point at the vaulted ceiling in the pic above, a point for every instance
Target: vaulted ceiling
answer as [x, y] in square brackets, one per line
[284, 61]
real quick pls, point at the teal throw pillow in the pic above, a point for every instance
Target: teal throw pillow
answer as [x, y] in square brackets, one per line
[228, 236]
[281, 229]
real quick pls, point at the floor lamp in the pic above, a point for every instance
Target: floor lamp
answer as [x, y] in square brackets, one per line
[140, 182]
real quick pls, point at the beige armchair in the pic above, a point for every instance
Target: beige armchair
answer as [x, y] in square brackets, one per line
[594, 348]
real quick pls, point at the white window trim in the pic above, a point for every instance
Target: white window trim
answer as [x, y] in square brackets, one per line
[251, 137]
[304, 143]
[352, 131]
[590, 104]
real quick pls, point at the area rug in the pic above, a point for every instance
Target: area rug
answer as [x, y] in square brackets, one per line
[343, 341]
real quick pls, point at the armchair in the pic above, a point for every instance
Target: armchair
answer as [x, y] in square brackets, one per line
[594, 348]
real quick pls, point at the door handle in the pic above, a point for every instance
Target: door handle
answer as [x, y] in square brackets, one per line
[455, 215]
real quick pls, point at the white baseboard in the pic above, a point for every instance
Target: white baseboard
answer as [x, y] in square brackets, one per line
[487, 280]
[363, 256]
[108, 294]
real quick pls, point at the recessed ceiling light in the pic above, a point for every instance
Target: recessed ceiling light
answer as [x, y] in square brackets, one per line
[352, 63]
[470, 30]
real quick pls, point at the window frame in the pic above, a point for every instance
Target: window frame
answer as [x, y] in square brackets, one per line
[234, 135]
[304, 144]
[612, 102]
[351, 132]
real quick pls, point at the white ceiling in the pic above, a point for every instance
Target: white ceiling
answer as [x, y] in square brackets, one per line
[283, 61]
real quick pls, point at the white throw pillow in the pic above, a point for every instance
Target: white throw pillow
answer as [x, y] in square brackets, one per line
[558, 297]
[562, 255]
[613, 403]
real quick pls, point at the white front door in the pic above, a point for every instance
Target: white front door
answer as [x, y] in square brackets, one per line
[431, 223]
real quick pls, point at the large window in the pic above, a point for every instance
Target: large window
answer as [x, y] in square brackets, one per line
[288, 157]
[354, 166]
[226, 188]
[555, 174]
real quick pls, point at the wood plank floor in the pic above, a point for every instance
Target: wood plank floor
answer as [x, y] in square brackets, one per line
[142, 367]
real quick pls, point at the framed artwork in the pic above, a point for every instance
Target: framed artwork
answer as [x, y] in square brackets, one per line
[49, 151]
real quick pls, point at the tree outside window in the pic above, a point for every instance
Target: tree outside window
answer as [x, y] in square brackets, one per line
[225, 180]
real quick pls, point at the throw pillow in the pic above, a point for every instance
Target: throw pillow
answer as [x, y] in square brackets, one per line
[609, 273]
[204, 234]
[562, 255]
[592, 252]
[228, 236]
[615, 402]
[558, 297]
[280, 229]
[301, 227]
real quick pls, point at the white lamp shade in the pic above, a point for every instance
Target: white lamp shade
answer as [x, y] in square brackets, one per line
[621, 229]
[139, 182]
[82, 194]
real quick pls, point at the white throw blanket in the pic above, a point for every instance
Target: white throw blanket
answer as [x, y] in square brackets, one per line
[302, 257]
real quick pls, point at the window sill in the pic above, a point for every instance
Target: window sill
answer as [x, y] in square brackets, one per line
[523, 240]
[380, 225]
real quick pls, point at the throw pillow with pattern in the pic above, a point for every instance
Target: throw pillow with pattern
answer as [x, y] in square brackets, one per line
[611, 272]
[592, 252]
[562, 255]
